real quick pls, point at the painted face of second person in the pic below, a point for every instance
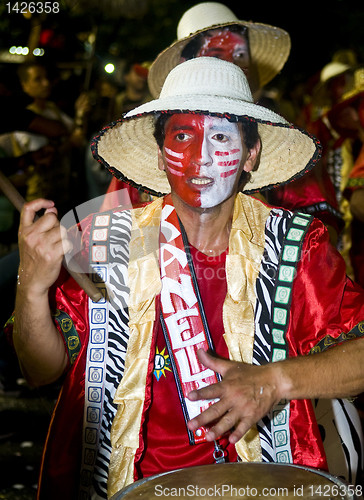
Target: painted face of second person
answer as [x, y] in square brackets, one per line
[202, 158]
[222, 43]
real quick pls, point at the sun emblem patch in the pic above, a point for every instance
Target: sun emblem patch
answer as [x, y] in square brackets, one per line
[161, 363]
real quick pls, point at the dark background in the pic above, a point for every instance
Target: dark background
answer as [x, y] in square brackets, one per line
[137, 30]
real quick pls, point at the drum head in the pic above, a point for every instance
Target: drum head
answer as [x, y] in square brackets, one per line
[238, 481]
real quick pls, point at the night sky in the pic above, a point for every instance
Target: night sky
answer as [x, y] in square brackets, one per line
[317, 30]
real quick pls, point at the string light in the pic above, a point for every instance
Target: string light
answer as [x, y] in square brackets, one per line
[24, 51]
[109, 68]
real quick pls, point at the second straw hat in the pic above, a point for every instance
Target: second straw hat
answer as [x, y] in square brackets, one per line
[269, 46]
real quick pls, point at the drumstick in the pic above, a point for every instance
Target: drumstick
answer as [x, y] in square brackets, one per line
[81, 278]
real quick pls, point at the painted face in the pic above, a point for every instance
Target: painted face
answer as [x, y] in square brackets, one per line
[202, 156]
[224, 44]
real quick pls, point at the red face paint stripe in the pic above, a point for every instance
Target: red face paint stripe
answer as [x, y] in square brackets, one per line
[227, 174]
[175, 163]
[227, 153]
[175, 172]
[228, 163]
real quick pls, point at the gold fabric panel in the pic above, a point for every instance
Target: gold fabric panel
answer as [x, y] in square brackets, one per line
[144, 283]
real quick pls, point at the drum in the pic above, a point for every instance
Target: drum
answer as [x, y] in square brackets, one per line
[241, 481]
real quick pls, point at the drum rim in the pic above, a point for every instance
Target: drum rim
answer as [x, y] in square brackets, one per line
[140, 482]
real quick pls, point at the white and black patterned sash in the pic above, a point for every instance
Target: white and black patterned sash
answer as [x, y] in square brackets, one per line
[275, 229]
[111, 273]
[96, 352]
[284, 235]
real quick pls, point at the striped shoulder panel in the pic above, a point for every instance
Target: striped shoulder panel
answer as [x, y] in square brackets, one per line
[284, 234]
[289, 258]
[282, 297]
[275, 230]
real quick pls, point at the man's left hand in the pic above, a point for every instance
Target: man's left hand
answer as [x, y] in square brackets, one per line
[246, 394]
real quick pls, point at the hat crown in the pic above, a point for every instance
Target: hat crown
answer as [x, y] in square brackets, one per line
[207, 76]
[203, 16]
[331, 70]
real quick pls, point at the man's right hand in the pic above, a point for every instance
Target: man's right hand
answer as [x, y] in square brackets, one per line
[42, 245]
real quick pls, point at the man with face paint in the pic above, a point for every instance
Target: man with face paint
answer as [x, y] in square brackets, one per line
[202, 155]
[205, 267]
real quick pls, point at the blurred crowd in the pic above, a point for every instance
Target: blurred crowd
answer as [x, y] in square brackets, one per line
[330, 105]
[58, 164]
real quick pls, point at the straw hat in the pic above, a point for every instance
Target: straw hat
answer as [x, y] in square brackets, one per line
[269, 46]
[330, 71]
[204, 85]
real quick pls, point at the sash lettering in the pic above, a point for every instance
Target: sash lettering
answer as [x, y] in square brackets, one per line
[182, 321]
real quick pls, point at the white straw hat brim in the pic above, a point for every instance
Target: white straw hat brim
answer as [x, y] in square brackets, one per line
[269, 50]
[129, 150]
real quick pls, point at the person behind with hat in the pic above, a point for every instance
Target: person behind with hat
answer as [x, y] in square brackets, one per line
[333, 81]
[331, 87]
[203, 267]
[212, 29]
[328, 92]
[346, 163]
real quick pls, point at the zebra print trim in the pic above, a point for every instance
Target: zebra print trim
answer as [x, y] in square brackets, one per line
[342, 437]
[96, 352]
[118, 293]
[275, 230]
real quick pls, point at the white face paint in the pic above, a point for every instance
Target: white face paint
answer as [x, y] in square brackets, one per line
[221, 155]
[202, 157]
